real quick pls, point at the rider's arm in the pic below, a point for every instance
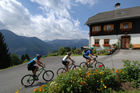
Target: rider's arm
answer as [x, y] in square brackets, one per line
[39, 63]
[71, 59]
[91, 56]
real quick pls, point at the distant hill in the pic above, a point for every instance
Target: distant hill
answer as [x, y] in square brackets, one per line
[74, 43]
[32, 45]
[22, 45]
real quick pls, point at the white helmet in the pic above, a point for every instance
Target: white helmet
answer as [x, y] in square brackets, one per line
[38, 55]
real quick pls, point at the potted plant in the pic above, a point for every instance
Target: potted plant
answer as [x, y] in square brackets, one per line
[130, 46]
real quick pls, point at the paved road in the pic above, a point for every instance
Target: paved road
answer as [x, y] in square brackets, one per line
[10, 78]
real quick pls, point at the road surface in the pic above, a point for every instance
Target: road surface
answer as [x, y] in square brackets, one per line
[10, 78]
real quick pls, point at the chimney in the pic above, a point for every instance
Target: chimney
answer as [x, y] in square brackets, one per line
[117, 6]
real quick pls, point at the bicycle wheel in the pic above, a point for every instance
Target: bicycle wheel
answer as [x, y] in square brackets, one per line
[76, 67]
[61, 70]
[99, 65]
[84, 64]
[48, 75]
[27, 80]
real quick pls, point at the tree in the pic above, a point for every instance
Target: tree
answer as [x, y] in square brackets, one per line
[15, 59]
[61, 51]
[27, 57]
[23, 58]
[5, 60]
[77, 51]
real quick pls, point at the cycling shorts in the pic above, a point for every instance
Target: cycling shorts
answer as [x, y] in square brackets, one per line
[31, 67]
[64, 62]
[86, 57]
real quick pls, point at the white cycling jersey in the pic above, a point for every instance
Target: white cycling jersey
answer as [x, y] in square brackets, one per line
[65, 58]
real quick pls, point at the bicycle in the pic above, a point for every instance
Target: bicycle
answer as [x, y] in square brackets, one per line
[29, 79]
[71, 66]
[92, 65]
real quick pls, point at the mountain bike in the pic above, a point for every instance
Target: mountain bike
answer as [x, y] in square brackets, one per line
[29, 79]
[93, 64]
[71, 66]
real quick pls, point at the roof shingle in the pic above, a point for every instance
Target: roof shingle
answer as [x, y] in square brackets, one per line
[114, 15]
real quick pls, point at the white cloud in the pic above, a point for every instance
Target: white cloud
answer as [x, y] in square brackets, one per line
[57, 24]
[90, 2]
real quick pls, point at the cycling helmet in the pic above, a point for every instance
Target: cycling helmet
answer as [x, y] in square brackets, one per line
[38, 55]
[91, 48]
[69, 53]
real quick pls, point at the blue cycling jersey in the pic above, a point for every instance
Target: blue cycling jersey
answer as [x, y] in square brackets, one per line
[32, 61]
[87, 52]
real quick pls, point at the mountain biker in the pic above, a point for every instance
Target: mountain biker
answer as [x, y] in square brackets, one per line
[65, 61]
[88, 54]
[31, 65]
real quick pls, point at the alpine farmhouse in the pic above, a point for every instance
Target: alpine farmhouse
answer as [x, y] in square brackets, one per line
[120, 27]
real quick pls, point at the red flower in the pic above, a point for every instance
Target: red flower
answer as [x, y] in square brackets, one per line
[100, 66]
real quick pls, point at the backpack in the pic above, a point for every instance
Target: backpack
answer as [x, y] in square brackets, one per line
[86, 50]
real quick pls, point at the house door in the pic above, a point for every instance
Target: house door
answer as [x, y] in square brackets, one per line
[125, 41]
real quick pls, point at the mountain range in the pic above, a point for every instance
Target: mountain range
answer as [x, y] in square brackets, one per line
[31, 45]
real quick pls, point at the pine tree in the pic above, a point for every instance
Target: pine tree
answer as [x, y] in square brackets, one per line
[27, 57]
[4, 54]
[23, 58]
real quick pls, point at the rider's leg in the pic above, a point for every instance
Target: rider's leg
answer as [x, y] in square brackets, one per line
[88, 61]
[35, 70]
[67, 66]
[87, 58]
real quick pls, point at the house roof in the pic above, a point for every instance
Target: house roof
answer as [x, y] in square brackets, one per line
[117, 14]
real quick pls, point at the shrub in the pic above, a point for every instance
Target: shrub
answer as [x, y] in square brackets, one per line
[130, 72]
[82, 81]
[94, 81]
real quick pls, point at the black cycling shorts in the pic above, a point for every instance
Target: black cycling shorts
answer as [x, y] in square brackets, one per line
[64, 62]
[31, 67]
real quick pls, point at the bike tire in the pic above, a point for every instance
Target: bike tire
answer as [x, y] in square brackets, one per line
[61, 70]
[30, 80]
[84, 65]
[76, 67]
[99, 65]
[48, 75]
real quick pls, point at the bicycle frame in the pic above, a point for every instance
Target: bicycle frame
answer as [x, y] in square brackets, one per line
[94, 60]
[71, 65]
[40, 71]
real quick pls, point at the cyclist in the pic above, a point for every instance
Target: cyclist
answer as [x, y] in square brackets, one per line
[31, 65]
[88, 54]
[65, 61]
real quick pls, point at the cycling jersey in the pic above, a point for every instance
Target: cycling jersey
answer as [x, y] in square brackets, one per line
[65, 58]
[32, 62]
[87, 52]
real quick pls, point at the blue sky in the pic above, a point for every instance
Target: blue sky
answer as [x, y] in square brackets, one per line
[54, 19]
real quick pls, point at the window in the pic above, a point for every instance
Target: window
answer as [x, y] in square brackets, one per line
[125, 25]
[106, 41]
[96, 28]
[97, 41]
[108, 27]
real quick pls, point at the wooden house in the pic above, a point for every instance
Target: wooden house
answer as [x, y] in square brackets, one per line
[120, 26]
